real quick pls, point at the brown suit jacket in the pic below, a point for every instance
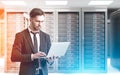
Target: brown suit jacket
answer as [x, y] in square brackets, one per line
[23, 48]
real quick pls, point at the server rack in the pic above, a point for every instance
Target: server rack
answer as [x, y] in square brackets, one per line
[14, 24]
[69, 31]
[94, 43]
[109, 12]
[49, 27]
[115, 39]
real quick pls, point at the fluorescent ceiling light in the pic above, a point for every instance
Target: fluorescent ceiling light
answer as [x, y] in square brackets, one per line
[100, 2]
[56, 2]
[13, 2]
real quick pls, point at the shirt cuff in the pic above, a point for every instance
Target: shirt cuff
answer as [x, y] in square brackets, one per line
[32, 57]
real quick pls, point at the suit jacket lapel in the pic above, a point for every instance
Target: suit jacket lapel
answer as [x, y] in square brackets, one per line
[43, 43]
[28, 38]
[40, 41]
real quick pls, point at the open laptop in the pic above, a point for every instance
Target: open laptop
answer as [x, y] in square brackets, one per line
[58, 49]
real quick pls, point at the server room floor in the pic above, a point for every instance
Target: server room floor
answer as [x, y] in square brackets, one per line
[110, 71]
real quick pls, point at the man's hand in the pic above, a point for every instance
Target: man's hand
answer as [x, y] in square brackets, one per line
[52, 59]
[38, 55]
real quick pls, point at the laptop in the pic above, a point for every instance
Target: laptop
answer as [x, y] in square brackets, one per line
[58, 49]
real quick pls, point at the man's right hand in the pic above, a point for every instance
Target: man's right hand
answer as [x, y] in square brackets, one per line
[38, 55]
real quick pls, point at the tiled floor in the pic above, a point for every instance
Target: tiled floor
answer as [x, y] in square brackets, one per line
[111, 71]
[69, 74]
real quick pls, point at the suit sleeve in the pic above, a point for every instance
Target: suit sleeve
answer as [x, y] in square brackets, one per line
[49, 43]
[16, 55]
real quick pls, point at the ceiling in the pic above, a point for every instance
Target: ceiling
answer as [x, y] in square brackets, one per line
[71, 4]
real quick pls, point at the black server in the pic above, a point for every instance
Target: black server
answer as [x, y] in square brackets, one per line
[115, 39]
[109, 12]
[94, 43]
[48, 27]
[68, 31]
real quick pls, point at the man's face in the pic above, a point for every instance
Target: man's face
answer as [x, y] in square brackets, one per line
[36, 22]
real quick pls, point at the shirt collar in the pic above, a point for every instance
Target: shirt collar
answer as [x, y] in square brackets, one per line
[31, 30]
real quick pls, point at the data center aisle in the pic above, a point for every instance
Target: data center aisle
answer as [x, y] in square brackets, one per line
[111, 71]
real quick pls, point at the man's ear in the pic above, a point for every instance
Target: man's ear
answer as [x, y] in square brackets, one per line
[30, 19]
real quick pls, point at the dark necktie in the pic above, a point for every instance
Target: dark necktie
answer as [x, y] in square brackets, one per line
[35, 44]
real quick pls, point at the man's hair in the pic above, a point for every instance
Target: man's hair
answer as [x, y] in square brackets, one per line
[35, 12]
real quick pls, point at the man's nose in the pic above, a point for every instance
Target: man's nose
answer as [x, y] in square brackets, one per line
[40, 23]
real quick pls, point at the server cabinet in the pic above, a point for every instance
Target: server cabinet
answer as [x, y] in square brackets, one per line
[115, 39]
[94, 41]
[14, 23]
[109, 12]
[68, 31]
[49, 28]
[2, 32]
[48, 24]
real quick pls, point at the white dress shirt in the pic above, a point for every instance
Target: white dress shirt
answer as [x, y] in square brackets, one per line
[38, 38]
[38, 41]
